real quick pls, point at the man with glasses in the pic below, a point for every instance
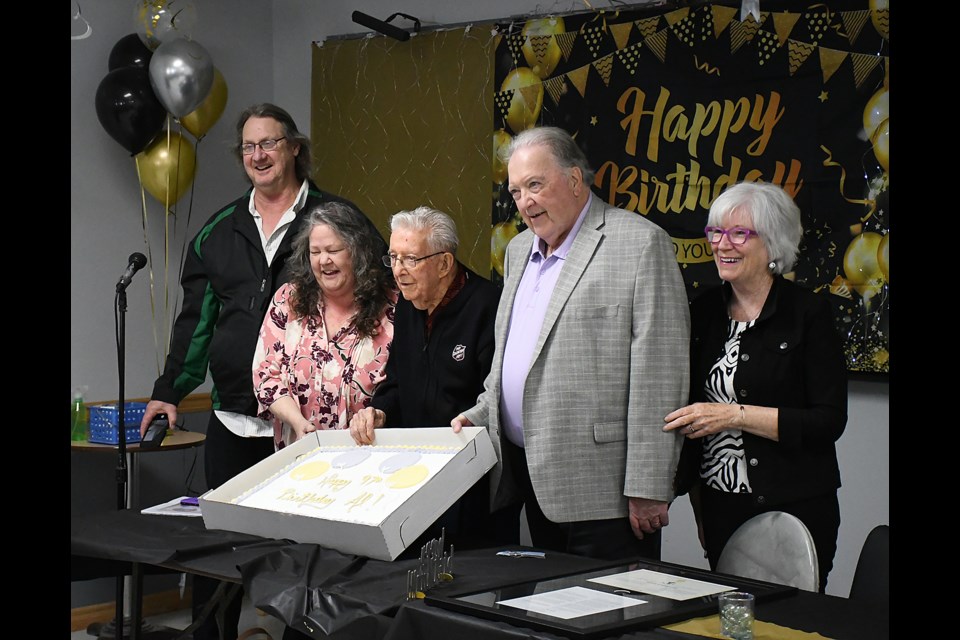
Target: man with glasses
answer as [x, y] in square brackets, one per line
[592, 341]
[231, 269]
[441, 353]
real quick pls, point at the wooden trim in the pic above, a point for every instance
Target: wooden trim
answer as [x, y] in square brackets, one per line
[153, 604]
[193, 403]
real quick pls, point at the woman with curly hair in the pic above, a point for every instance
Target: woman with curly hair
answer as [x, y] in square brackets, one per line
[325, 339]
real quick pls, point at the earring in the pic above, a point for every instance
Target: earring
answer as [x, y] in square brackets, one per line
[772, 266]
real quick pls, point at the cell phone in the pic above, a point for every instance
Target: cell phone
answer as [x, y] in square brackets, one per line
[156, 432]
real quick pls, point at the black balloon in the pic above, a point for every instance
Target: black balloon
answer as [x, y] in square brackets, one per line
[129, 52]
[127, 108]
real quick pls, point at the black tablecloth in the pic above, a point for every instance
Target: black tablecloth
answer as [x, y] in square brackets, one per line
[321, 592]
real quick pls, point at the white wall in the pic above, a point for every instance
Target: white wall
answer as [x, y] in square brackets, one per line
[263, 50]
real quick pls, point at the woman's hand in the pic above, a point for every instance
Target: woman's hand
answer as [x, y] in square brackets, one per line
[704, 418]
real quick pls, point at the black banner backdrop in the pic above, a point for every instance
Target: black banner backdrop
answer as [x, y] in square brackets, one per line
[672, 106]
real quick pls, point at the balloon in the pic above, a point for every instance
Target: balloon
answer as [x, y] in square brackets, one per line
[129, 52]
[167, 167]
[883, 257]
[500, 237]
[876, 111]
[522, 115]
[861, 265]
[201, 119]
[880, 16]
[542, 54]
[881, 144]
[127, 108]
[181, 73]
[501, 139]
[158, 21]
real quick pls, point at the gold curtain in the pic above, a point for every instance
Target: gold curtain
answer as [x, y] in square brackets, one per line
[395, 125]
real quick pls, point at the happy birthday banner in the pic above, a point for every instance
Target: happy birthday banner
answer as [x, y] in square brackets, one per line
[671, 108]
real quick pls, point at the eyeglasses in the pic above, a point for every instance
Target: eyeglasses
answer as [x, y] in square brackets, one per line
[247, 148]
[736, 235]
[408, 261]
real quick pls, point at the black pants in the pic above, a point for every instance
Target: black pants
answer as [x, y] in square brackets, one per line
[603, 539]
[722, 513]
[225, 455]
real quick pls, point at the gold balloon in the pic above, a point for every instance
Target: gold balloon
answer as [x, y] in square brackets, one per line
[880, 16]
[501, 140]
[543, 54]
[883, 257]
[876, 111]
[500, 237]
[522, 113]
[201, 120]
[861, 266]
[881, 144]
[167, 167]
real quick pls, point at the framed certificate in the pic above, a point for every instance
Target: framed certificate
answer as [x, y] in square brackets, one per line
[610, 600]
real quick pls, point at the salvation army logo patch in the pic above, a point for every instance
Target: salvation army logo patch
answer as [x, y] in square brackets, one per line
[459, 351]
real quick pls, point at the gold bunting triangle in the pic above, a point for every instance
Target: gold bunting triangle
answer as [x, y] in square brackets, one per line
[818, 22]
[593, 36]
[630, 57]
[540, 45]
[863, 64]
[515, 42]
[721, 18]
[830, 61]
[739, 35]
[530, 94]
[658, 44]
[797, 53]
[705, 20]
[783, 24]
[683, 30]
[578, 78]
[750, 26]
[604, 67]
[648, 26]
[621, 33]
[676, 16]
[853, 22]
[767, 45]
[556, 88]
[503, 100]
[565, 42]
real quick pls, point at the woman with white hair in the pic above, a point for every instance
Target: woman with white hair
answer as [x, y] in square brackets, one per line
[768, 381]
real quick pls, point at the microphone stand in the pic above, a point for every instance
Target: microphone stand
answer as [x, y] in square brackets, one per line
[122, 438]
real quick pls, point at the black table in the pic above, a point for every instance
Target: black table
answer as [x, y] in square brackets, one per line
[324, 593]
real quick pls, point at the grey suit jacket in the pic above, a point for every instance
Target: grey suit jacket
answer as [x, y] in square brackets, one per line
[611, 361]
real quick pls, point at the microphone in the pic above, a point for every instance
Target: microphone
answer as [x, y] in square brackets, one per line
[135, 262]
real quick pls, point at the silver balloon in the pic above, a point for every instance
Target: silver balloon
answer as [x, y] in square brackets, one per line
[157, 21]
[181, 74]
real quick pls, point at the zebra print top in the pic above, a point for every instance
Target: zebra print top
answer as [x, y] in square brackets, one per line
[723, 464]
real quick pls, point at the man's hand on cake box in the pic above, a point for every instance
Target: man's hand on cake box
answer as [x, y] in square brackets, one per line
[363, 423]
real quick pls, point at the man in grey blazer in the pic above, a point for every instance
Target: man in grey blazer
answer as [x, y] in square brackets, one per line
[591, 338]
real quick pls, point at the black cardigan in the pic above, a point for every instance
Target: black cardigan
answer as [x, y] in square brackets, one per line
[792, 359]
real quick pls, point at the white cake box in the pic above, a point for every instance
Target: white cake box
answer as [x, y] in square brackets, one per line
[372, 501]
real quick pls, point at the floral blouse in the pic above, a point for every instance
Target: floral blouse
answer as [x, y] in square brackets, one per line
[330, 377]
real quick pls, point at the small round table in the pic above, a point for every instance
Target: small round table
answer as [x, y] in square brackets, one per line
[175, 439]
